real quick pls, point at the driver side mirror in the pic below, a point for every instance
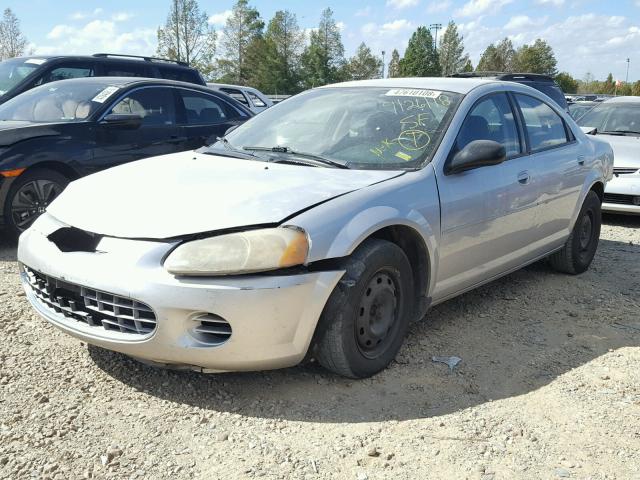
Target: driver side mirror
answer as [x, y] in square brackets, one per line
[128, 121]
[479, 153]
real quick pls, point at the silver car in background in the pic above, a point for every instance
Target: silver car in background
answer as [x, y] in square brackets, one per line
[618, 122]
[252, 98]
[321, 227]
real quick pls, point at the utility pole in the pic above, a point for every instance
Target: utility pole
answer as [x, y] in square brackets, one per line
[436, 27]
[383, 52]
[627, 77]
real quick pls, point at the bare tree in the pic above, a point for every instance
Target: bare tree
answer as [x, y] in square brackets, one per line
[12, 41]
[187, 36]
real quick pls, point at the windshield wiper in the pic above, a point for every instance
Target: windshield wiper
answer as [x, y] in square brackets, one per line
[620, 132]
[288, 151]
[233, 152]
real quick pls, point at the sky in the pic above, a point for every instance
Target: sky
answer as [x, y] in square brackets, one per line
[592, 36]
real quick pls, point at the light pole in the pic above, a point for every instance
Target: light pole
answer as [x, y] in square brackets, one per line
[383, 52]
[627, 77]
[436, 27]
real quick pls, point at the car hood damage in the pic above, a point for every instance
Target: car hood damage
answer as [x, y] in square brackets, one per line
[188, 193]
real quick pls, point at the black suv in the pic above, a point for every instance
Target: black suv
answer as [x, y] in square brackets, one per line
[20, 74]
[64, 130]
[542, 83]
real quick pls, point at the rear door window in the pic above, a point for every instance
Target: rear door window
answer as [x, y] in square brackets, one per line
[114, 69]
[257, 101]
[544, 126]
[180, 75]
[155, 105]
[202, 109]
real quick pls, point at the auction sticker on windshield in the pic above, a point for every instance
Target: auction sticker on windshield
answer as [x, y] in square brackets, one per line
[413, 92]
[104, 94]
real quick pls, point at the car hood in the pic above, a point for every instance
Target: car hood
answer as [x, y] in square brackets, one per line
[186, 193]
[626, 150]
[14, 131]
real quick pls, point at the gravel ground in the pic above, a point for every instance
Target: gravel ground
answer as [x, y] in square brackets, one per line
[548, 387]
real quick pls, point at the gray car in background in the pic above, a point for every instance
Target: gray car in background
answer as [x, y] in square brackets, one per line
[618, 122]
[252, 98]
[321, 227]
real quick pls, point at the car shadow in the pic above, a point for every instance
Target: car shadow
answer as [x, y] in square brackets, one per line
[514, 336]
[618, 220]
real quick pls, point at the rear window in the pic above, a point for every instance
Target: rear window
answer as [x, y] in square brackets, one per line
[552, 91]
[180, 75]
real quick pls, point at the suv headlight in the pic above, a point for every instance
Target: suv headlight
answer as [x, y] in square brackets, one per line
[237, 253]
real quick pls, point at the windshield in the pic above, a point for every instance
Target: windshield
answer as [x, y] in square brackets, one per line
[613, 117]
[365, 127]
[15, 70]
[65, 101]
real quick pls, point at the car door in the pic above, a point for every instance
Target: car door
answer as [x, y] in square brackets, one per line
[205, 117]
[475, 228]
[559, 166]
[158, 134]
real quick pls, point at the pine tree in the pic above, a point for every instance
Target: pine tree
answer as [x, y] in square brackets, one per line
[323, 59]
[363, 65]
[420, 58]
[452, 57]
[284, 46]
[498, 58]
[187, 36]
[12, 42]
[394, 64]
[243, 27]
[468, 67]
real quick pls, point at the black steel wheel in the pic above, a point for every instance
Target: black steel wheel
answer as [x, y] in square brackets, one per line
[578, 251]
[366, 318]
[30, 196]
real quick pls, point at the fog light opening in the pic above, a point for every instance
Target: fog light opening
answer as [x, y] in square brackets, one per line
[210, 329]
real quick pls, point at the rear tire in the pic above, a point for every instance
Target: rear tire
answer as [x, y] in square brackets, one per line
[580, 248]
[29, 196]
[367, 316]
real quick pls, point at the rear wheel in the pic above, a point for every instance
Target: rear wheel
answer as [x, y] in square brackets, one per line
[580, 248]
[366, 317]
[30, 195]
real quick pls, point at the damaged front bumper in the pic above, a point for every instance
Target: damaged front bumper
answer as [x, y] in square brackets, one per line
[271, 318]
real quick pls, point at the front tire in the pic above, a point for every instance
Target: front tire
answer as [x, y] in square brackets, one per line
[580, 248]
[367, 316]
[29, 196]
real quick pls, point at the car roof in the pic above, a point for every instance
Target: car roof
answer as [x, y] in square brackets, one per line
[126, 81]
[512, 77]
[456, 85]
[228, 85]
[623, 100]
[103, 57]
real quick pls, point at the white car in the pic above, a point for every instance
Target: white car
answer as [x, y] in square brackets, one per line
[253, 99]
[618, 121]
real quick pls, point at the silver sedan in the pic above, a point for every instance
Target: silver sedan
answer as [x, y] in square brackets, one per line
[320, 228]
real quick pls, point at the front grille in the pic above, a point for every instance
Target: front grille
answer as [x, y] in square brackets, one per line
[93, 307]
[620, 199]
[624, 170]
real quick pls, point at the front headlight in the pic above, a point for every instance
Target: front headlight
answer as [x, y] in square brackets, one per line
[237, 253]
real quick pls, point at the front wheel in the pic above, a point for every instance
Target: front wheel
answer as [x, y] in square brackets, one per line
[30, 195]
[580, 248]
[367, 316]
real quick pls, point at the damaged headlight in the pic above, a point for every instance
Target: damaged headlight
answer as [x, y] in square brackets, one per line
[237, 253]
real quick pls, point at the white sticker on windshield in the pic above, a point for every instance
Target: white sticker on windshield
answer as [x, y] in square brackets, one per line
[104, 94]
[413, 92]
[36, 61]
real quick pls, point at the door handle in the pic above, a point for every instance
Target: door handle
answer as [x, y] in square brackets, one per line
[523, 177]
[580, 159]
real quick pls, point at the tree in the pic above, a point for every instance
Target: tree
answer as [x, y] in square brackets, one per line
[394, 65]
[635, 89]
[363, 65]
[468, 67]
[609, 85]
[187, 36]
[323, 59]
[12, 41]
[452, 57]
[567, 83]
[420, 58]
[498, 57]
[243, 27]
[536, 58]
[283, 45]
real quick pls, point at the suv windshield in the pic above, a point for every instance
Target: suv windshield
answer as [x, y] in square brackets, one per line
[15, 70]
[365, 127]
[613, 117]
[65, 101]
